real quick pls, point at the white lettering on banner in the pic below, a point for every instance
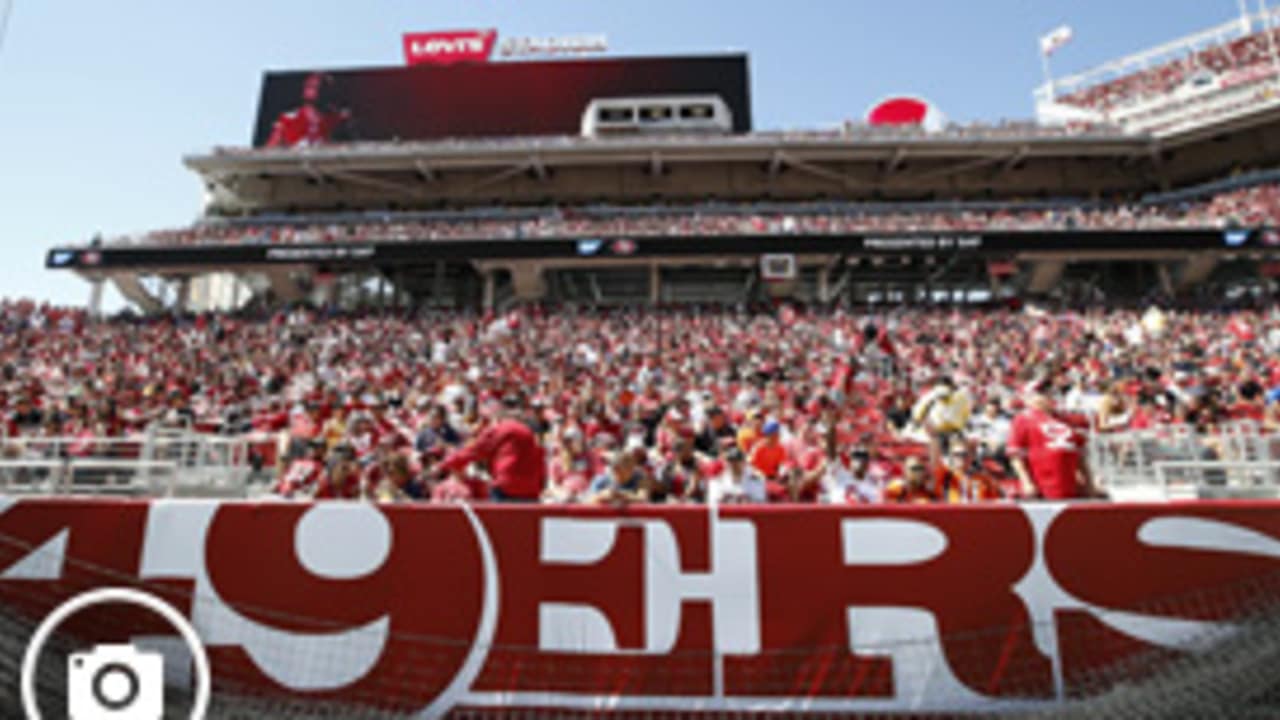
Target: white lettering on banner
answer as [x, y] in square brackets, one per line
[176, 542]
[43, 563]
[174, 549]
[1044, 598]
[890, 542]
[1200, 534]
[365, 546]
[731, 587]
[909, 636]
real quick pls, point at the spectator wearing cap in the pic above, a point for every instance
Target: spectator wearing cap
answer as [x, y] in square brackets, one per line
[739, 482]
[768, 456]
[511, 453]
[1047, 449]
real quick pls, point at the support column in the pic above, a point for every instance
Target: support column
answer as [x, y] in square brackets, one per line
[490, 289]
[1045, 274]
[527, 281]
[95, 298]
[655, 284]
[183, 299]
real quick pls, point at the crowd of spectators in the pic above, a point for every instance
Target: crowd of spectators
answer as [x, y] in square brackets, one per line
[1251, 206]
[637, 405]
[1252, 53]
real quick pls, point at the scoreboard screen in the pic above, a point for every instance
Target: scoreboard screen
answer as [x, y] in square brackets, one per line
[500, 99]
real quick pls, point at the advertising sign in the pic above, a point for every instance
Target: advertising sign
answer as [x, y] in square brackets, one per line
[790, 609]
[447, 48]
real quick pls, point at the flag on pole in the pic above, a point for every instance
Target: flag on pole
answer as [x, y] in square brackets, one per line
[1055, 39]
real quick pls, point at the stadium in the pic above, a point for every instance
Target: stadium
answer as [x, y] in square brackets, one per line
[555, 399]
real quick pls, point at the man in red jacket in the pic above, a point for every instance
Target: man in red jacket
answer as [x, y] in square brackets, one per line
[515, 460]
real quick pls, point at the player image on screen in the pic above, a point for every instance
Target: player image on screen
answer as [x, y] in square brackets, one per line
[314, 122]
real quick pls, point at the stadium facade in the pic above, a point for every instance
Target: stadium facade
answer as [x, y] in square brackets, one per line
[558, 154]
[649, 188]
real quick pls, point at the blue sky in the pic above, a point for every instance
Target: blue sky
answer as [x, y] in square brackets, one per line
[99, 100]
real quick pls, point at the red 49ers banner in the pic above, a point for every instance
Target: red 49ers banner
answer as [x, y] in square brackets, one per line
[446, 48]
[427, 609]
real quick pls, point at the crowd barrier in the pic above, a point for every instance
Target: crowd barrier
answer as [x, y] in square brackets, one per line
[157, 463]
[355, 610]
[1177, 463]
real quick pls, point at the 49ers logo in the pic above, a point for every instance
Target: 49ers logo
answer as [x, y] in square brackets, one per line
[797, 608]
[1058, 435]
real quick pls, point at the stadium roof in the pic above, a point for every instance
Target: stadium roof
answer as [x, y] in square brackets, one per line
[1018, 160]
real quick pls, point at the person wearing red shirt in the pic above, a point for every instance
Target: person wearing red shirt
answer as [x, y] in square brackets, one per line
[1047, 450]
[515, 460]
[311, 123]
[769, 458]
[768, 455]
[303, 475]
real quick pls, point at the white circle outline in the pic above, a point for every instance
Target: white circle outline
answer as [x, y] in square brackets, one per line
[457, 688]
[101, 596]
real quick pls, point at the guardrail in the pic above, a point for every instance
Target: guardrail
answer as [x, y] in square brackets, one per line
[172, 463]
[1219, 479]
[1173, 462]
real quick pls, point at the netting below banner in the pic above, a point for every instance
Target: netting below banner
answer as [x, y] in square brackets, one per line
[1231, 672]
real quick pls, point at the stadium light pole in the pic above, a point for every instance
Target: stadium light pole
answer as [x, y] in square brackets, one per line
[1048, 74]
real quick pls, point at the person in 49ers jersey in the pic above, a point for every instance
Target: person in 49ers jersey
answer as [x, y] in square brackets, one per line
[312, 122]
[1046, 448]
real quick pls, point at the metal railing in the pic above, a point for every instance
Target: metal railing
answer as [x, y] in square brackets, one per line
[1173, 462]
[1219, 479]
[160, 462]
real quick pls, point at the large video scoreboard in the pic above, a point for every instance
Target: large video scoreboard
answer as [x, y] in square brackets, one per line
[500, 99]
